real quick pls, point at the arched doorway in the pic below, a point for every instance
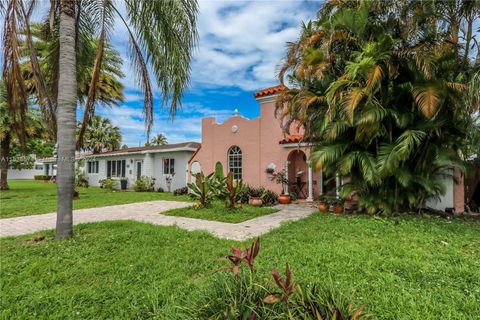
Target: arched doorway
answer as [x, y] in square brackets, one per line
[298, 173]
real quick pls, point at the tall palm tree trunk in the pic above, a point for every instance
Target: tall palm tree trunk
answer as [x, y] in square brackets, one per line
[66, 119]
[5, 154]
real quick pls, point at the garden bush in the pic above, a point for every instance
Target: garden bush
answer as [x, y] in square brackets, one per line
[240, 295]
[180, 191]
[81, 180]
[41, 177]
[203, 189]
[160, 189]
[108, 184]
[144, 184]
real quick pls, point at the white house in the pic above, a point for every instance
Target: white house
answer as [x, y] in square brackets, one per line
[27, 174]
[159, 162]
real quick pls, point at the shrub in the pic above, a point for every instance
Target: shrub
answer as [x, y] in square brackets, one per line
[180, 191]
[41, 177]
[160, 189]
[269, 197]
[203, 189]
[81, 179]
[144, 184]
[108, 184]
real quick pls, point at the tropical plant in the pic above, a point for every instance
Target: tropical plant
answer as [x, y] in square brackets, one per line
[281, 178]
[381, 92]
[164, 30]
[269, 198]
[13, 153]
[144, 184]
[158, 140]
[202, 189]
[234, 190]
[101, 135]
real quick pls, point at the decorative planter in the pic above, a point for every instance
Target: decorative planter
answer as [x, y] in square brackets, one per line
[322, 207]
[256, 202]
[284, 199]
[338, 209]
[123, 184]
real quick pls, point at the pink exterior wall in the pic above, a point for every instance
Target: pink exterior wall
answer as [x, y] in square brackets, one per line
[257, 138]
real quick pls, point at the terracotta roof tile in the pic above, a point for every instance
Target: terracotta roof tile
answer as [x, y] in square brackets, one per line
[293, 138]
[269, 91]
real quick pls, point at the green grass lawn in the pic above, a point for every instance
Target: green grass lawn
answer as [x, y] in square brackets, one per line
[27, 197]
[218, 212]
[400, 268]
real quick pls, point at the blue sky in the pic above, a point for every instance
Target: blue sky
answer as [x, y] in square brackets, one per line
[240, 47]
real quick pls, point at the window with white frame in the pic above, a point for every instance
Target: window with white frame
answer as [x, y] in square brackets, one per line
[92, 167]
[168, 166]
[235, 162]
[39, 167]
[116, 168]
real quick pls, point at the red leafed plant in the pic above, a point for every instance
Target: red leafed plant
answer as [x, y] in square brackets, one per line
[246, 256]
[287, 286]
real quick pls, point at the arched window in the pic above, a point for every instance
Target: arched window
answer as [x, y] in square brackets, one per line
[235, 162]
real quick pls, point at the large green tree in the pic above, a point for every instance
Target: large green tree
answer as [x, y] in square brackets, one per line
[161, 33]
[101, 135]
[380, 87]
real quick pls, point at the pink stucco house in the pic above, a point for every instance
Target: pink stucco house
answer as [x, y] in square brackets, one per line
[248, 147]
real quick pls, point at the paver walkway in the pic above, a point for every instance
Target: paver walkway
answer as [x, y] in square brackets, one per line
[149, 212]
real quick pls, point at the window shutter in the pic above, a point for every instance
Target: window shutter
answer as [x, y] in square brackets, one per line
[123, 168]
[109, 169]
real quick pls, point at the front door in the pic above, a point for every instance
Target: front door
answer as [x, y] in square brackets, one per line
[139, 169]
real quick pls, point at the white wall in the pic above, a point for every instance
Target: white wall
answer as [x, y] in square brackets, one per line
[152, 166]
[180, 177]
[26, 174]
[446, 201]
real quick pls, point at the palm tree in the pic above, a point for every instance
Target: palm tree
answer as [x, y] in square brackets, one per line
[158, 140]
[9, 140]
[164, 30]
[101, 135]
[66, 119]
[380, 92]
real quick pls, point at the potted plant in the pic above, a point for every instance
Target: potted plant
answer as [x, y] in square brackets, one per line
[338, 206]
[123, 183]
[284, 197]
[323, 203]
[256, 197]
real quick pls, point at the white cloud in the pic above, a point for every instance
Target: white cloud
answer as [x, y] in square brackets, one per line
[185, 127]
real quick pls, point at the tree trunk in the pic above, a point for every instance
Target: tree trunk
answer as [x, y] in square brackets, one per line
[5, 154]
[66, 119]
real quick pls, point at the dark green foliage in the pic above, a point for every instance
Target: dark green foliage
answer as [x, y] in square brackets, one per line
[160, 189]
[41, 177]
[381, 92]
[269, 197]
[180, 191]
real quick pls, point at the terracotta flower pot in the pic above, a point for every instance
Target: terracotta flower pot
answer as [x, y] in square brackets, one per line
[322, 207]
[337, 209]
[256, 202]
[284, 199]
